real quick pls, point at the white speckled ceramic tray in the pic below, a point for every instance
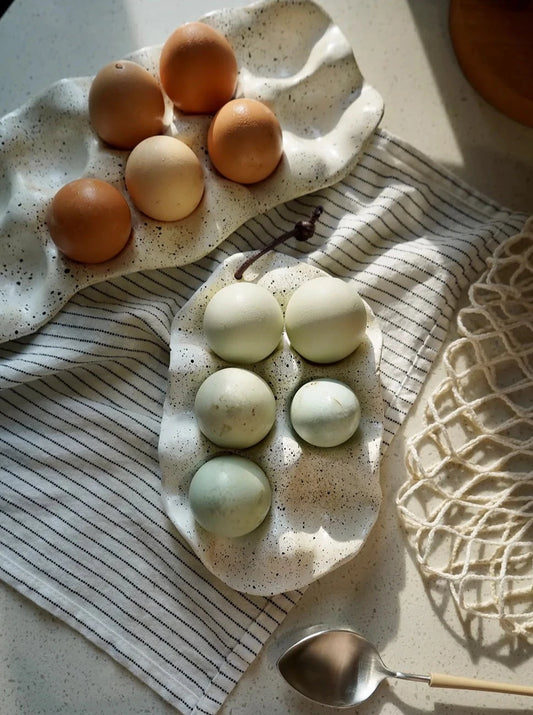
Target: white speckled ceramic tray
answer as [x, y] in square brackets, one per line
[290, 55]
[325, 501]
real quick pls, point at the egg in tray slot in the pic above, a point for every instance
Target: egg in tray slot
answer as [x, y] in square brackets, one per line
[296, 510]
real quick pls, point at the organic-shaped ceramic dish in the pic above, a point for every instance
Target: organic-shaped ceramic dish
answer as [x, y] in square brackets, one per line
[290, 56]
[325, 501]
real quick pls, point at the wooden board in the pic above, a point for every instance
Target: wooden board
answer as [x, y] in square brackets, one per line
[493, 41]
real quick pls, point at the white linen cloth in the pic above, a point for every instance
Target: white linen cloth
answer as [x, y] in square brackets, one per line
[82, 530]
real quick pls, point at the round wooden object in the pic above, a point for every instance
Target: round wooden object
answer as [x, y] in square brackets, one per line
[493, 41]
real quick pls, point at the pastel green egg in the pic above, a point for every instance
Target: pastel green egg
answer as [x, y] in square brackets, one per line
[230, 496]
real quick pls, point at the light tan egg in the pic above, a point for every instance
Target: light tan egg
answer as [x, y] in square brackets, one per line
[164, 178]
[126, 104]
[89, 220]
[198, 68]
[245, 141]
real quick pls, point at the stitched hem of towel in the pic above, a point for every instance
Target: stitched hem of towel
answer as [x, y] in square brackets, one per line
[145, 669]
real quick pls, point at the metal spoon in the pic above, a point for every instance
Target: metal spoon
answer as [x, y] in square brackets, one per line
[341, 669]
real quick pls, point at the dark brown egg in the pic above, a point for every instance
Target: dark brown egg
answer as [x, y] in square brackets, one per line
[89, 220]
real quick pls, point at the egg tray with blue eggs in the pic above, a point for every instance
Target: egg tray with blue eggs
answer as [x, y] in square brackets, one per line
[290, 511]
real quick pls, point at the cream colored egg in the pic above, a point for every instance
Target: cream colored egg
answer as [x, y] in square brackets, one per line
[325, 412]
[164, 178]
[325, 319]
[230, 496]
[235, 408]
[243, 323]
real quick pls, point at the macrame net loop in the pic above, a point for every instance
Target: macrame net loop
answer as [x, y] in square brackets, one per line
[467, 504]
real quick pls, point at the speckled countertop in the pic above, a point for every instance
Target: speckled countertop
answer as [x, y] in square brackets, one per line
[403, 49]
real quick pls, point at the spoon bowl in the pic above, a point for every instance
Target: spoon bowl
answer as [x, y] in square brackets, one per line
[339, 668]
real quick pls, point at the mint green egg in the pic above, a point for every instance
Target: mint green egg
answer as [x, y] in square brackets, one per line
[230, 496]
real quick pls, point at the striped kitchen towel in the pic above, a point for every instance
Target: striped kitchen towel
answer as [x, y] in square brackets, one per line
[82, 529]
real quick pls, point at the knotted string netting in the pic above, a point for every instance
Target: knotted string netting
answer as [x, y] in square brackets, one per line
[467, 504]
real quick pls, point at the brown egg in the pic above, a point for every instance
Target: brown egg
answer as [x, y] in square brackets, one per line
[126, 104]
[245, 141]
[198, 68]
[89, 220]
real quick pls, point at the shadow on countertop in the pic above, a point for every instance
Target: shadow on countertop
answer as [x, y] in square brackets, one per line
[483, 133]
[4, 6]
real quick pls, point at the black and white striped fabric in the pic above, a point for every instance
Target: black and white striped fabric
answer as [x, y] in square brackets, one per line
[82, 529]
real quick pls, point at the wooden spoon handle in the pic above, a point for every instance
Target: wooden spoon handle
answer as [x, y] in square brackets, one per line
[441, 680]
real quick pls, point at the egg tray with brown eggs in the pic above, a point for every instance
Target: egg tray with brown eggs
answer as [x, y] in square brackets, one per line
[88, 220]
[326, 109]
[324, 501]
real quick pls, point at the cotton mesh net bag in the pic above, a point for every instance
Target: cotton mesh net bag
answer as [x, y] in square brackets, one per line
[467, 504]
